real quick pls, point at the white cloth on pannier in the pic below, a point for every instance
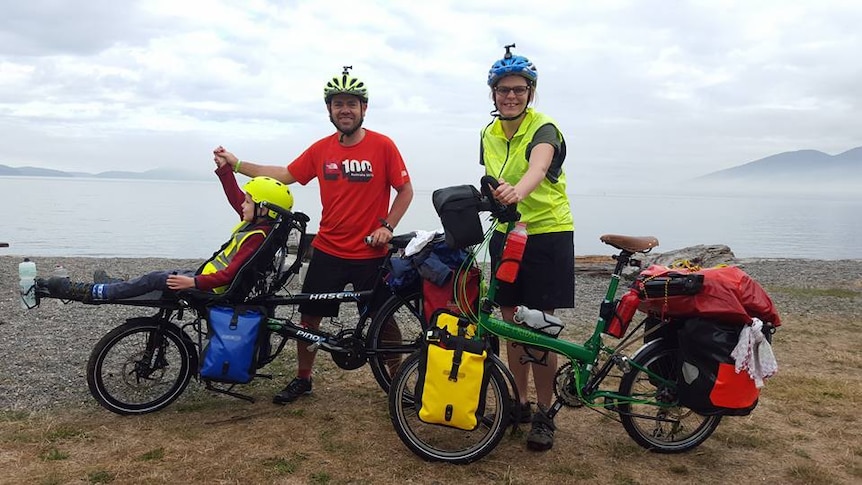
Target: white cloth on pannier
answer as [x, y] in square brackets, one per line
[420, 240]
[754, 354]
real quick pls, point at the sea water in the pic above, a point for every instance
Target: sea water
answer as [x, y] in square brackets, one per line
[46, 216]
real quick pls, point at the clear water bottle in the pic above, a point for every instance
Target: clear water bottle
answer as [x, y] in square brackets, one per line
[27, 283]
[513, 253]
[538, 320]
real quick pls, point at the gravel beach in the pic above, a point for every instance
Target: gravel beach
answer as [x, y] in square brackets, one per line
[45, 350]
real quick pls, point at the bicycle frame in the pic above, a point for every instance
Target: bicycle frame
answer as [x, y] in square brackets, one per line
[325, 340]
[583, 356]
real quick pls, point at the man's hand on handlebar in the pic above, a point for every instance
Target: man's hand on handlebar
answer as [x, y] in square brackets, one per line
[379, 237]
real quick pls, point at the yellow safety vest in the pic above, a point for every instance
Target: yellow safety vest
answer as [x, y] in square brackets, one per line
[221, 260]
[546, 209]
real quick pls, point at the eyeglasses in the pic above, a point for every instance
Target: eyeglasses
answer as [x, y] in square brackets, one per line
[505, 90]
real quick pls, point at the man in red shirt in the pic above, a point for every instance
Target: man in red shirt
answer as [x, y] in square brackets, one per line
[356, 169]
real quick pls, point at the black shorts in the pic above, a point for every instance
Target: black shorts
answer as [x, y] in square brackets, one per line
[546, 279]
[329, 274]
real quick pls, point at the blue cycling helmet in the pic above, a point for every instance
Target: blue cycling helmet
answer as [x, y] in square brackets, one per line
[511, 64]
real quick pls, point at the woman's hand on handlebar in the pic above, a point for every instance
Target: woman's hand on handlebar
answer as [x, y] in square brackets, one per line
[506, 193]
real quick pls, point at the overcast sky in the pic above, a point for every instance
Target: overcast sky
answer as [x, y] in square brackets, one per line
[645, 90]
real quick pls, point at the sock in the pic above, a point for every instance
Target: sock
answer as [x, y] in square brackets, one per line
[304, 374]
[98, 292]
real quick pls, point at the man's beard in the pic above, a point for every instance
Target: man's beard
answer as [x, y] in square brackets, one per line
[348, 132]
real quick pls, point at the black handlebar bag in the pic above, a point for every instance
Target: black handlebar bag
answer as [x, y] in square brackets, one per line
[458, 208]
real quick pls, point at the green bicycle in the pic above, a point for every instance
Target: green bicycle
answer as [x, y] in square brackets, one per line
[645, 401]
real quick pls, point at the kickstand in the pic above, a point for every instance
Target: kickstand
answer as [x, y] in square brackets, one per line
[228, 392]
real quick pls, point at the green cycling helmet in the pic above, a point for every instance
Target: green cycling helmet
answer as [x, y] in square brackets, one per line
[345, 84]
[271, 191]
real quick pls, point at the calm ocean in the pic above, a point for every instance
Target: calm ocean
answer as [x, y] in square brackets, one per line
[145, 218]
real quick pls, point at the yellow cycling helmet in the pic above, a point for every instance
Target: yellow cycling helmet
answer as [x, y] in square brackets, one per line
[271, 191]
[345, 84]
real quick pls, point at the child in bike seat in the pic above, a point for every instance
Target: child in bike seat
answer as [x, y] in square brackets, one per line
[215, 274]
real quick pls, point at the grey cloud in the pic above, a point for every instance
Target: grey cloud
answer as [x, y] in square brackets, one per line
[51, 27]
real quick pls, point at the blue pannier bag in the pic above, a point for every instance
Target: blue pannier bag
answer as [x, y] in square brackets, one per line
[230, 354]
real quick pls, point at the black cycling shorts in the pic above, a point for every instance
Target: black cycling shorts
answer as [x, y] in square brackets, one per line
[330, 274]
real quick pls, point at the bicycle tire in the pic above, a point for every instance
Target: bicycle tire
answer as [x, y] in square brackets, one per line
[387, 351]
[434, 442]
[123, 382]
[686, 429]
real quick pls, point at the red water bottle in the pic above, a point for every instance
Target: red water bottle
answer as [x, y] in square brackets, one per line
[513, 252]
[626, 308]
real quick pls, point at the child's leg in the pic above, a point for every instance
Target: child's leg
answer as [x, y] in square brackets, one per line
[155, 280]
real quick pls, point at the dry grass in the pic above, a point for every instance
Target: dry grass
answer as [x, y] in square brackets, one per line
[806, 430]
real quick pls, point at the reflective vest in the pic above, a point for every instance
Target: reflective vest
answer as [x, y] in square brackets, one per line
[221, 260]
[546, 209]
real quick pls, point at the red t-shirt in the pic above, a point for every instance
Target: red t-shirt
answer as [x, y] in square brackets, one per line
[355, 186]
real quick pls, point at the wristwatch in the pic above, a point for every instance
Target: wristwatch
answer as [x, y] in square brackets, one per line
[385, 223]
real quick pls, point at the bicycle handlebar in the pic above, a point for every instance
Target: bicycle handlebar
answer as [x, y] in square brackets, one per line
[498, 210]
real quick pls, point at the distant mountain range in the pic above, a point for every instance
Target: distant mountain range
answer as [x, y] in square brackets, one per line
[155, 174]
[803, 168]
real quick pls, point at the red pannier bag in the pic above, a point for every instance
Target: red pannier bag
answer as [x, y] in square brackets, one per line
[708, 382]
[462, 287]
[726, 294]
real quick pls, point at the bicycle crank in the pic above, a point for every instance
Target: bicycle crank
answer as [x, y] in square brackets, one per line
[352, 353]
[564, 387]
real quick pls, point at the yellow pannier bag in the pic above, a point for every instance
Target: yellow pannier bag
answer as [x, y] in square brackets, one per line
[453, 373]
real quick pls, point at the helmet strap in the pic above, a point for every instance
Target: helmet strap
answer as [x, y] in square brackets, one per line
[508, 118]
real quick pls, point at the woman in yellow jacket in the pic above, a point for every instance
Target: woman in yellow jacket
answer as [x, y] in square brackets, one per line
[524, 150]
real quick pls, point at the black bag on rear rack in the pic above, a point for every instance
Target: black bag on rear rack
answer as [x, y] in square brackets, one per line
[458, 208]
[708, 382]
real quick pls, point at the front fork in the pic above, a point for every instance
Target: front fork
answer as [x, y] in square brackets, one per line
[154, 354]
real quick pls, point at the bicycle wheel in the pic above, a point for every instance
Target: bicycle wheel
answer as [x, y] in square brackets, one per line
[657, 423]
[133, 371]
[394, 334]
[433, 442]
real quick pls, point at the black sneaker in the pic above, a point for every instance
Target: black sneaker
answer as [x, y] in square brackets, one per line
[522, 413]
[541, 436]
[100, 276]
[297, 387]
[61, 287]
